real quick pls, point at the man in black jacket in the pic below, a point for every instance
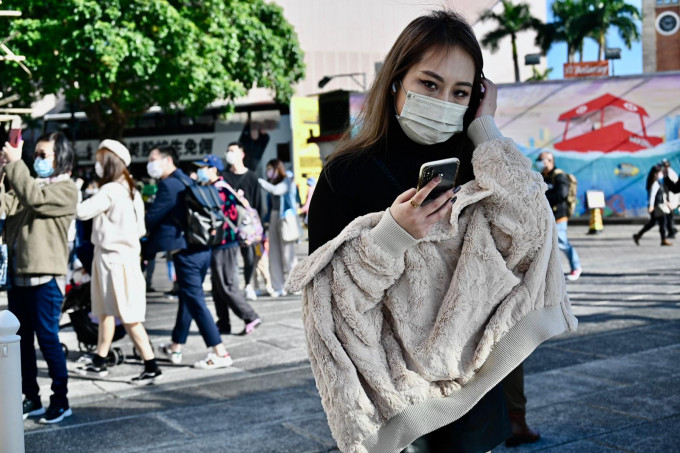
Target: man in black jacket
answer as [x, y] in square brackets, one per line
[557, 193]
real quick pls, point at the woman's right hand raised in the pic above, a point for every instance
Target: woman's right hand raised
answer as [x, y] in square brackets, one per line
[416, 219]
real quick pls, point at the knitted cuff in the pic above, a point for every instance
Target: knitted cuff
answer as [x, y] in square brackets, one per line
[391, 237]
[483, 129]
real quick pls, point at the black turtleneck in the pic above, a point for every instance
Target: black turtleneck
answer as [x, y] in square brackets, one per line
[354, 184]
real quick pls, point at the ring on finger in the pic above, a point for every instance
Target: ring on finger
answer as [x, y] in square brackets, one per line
[414, 204]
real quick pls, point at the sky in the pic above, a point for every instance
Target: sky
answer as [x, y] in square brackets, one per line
[630, 62]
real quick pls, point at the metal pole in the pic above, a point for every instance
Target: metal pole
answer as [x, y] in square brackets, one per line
[11, 412]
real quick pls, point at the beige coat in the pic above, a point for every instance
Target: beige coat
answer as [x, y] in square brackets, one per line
[118, 287]
[406, 335]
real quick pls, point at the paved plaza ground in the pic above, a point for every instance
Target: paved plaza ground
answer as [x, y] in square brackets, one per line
[612, 386]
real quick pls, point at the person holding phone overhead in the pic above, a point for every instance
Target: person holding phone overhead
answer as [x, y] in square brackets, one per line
[39, 212]
[415, 308]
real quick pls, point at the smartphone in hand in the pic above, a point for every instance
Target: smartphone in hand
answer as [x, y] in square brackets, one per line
[14, 137]
[448, 168]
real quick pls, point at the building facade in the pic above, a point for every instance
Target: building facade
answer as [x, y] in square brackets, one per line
[661, 35]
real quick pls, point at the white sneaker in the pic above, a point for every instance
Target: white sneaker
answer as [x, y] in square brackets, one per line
[574, 275]
[213, 361]
[174, 356]
[250, 293]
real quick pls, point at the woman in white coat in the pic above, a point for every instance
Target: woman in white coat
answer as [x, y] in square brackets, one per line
[118, 287]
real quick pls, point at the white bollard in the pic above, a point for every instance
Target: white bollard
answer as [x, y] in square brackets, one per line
[11, 412]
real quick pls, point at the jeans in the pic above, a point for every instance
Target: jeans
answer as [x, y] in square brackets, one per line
[565, 246]
[191, 268]
[38, 309]
[225, 288]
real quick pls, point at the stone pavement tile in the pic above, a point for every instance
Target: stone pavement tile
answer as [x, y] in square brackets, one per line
[548, 357]
[667, 358]
[600, 323]
[618, 343]
[315, 427]
[270, 439]
[571, 421]
[655, 437]
[109, 436]
[652, 400]
[247, 413]
[558, 386]
[625, 370]
[580, 446]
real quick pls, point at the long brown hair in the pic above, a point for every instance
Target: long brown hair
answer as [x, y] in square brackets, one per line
[279, 170]
[439, 30]
[114, 168]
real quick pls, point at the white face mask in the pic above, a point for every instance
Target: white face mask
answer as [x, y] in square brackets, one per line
[232, 158]
[427, 120]
[155, 169]
[98, 169]
[540, 166]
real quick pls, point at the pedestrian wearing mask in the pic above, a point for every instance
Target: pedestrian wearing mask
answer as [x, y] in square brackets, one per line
[280, 202]
[658, 205]
[224, 261]
[242, 179]
[416, 309]
[39, 212]
[117, 286]
[165, 223]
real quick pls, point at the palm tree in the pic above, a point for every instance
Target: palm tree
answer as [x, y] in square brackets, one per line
[573, 22]
[614, 13]
[513, 20]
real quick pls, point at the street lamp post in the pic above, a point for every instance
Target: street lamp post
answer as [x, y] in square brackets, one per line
[324, 81]
[612, 53]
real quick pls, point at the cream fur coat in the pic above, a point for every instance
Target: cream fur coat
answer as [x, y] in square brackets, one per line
[406, 338]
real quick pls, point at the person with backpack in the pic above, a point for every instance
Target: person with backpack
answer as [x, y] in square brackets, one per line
[558, 194]
[167, 224]
[224, 261]
[244, 181]
[117, 288]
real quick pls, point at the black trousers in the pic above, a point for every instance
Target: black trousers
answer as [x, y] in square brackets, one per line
[248, 254]
[661, 220]
[225, 288]
[513, 387]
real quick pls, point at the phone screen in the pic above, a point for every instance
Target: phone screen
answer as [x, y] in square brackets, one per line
[14, 137]
[448, 168]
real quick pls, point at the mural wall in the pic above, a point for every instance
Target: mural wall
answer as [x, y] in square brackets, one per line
[608, 132]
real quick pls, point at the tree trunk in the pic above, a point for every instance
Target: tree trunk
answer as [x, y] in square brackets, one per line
[601, 44]
[514, 56]
[108, 124]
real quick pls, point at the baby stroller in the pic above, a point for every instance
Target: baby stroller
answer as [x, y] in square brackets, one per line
[78, 306]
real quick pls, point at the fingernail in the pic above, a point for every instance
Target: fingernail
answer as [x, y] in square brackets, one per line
[453, 200]
[439, 177]
[457, 189]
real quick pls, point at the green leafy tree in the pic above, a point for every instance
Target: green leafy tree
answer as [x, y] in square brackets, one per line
[514, 20]
[537, 76]
[572, 24]
[617, 14]
[114, 59]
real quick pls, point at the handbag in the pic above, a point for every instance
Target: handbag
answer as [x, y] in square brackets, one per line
[661, 210]
[289, 227]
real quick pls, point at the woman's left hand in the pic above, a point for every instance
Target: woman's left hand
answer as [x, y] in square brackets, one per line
[489, 97]
[12, 154]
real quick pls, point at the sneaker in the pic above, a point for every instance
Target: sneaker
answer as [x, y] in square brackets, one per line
[281, 293]
[250, 293]
[270, 291]
[85, 359]
[250, 327]
[223, 330]
[56, 413]
[574, 275]
[665, 242]
[213, 361]
[91, 369]
[174, 356]
[147, 377]
[32, 408]
[636, 238]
